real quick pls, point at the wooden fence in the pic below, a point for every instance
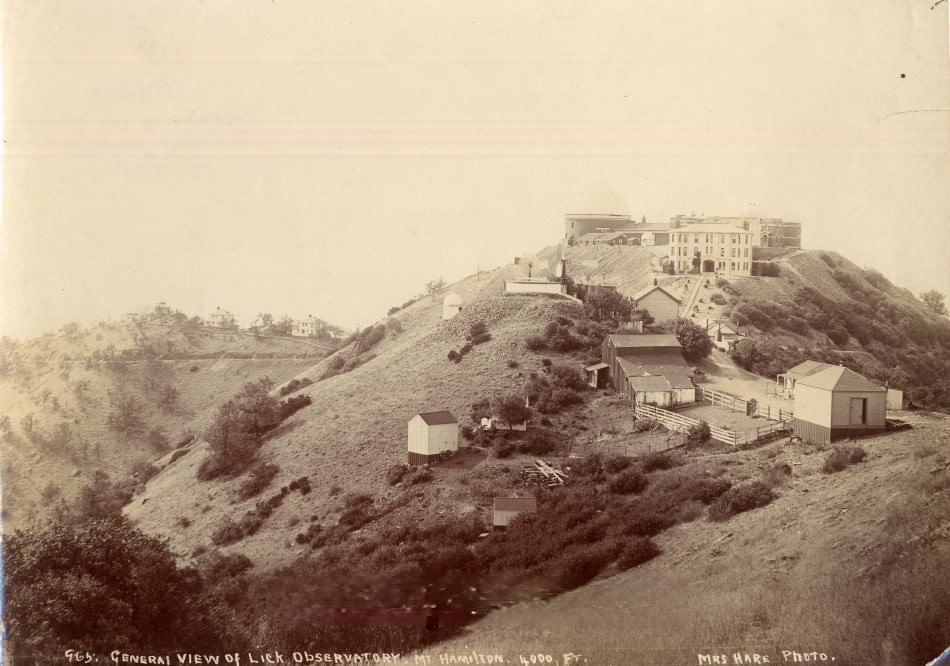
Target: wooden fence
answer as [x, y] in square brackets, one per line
[737, 404]
[679, 423]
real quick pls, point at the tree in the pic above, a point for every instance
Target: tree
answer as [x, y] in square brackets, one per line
[607, 304]
[696, 344]
[283, 326]
[102, 585]
[643, 315]
[512, 409]
[480, 410]
[433, 287]
[126, 416]
[933, 299]
[265, 319]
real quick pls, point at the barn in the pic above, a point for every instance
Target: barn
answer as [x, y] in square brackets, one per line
[506, 509]
[659, 302]
[432, 435]
[662, 349]
[836, 403]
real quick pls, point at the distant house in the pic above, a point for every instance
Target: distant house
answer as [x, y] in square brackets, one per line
[432, 436]
[659, 302]
[221, 319]
[724, 335]
[310, 327]
[836, 403]
[506, 509]
[451, 305]
[786, 381]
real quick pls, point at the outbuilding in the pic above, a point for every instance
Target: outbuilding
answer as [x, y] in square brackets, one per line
[432, 436]
[658, 302]
[836, 403]
[785, 382]
[451, 305]
[506, 509]
[597, 375]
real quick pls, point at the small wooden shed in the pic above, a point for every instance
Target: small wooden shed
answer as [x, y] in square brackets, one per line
[659, 302]
[506, 509]
[597, 375]
[837, 403]
[432, 435]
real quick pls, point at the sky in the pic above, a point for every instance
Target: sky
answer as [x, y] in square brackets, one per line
[330, 158]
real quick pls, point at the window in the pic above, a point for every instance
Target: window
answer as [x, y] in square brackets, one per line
[746, 252]
[732, 265]
[859, 411]
[733, 252]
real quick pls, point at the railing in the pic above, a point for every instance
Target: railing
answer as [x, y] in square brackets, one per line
[737, 404]
[679, 423]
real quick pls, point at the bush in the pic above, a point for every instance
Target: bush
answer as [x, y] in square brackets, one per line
[777, 475]
[771, 269]
[535, 343]
[479, 339]
[718, 299]
[636, 552]
[657, 461]
[477, 329]
[230, 532]
[739, 499]
[504, 449]
[538, 443]
[512, 364]
[294, 385]
[843, 456]
[698, 434]
[615, 464]
[628, 482]
[581, 568]
[259, 478]
[454, 356]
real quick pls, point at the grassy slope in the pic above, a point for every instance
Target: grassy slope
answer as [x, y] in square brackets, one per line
[814, 570]
[356, 427]
[41, 366]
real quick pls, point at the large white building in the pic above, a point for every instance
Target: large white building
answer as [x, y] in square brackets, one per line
[719, 248]
[310, 327]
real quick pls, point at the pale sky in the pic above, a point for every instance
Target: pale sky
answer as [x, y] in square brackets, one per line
[330, 158]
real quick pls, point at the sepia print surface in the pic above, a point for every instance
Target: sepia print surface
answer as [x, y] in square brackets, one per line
[475, 333]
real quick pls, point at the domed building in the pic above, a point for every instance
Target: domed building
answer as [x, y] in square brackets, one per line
[451, 305]
[598, 212]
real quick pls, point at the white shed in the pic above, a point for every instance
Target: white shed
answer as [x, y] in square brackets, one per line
[432, 435]
[837, 403]
[451, 305]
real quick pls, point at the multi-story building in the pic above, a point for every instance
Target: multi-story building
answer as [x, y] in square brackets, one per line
[310, 327]
[221, 319]
[719, 248]
[766, 231]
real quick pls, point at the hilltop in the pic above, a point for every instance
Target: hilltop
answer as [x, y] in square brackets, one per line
[59, 391]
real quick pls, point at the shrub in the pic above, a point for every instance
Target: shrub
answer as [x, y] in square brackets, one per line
[477, 329]
[777, 475]
[535, 343]
[419, 475]
[454, 356]
[259, 478]
[718, 299]
[479, 339]
[538, 443]
[843, 456]
[698, 434]
[193, 368]
[771, 269]
[739, 499]
[628, 482]
[615, 464]
[294, 385]
[512, 364]
[642, 425]
[504, 449]
[229, 532]
[657, 461]
[466, 348]
[581, 568]
[636, 552]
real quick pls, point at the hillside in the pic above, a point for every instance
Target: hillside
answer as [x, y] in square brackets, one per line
[324, 518]
[58, 392]
[355, 430]
[846, 564]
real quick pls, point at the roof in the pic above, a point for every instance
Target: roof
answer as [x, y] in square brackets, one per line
[678, 376]
[597, 366]
[591, 236]
[839, 378]
[720, 228]
[515, 504]
[666, 357]
[643, 292]
[808, 368]
[643, 341]
[649, 384]
[441, 417]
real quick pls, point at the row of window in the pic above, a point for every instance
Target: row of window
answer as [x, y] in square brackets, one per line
[684, 252]
[720, 265]
[741, 239]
